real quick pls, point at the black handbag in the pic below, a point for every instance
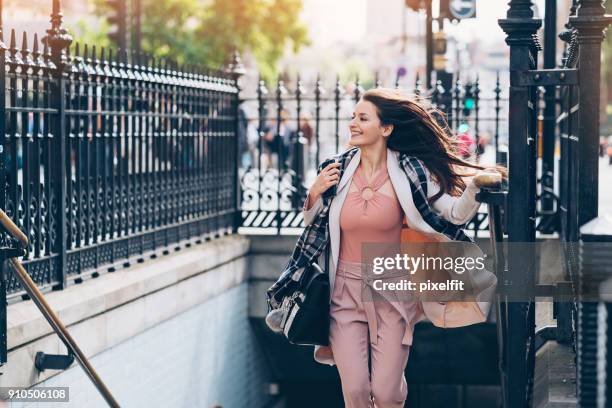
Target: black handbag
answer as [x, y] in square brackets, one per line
[303, 315]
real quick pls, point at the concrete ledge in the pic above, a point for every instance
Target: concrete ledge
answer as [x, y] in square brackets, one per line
[107, 310]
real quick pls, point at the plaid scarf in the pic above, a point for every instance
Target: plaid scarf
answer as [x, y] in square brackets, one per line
[315, 236]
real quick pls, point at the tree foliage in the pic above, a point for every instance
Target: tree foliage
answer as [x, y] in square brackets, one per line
[206, 32]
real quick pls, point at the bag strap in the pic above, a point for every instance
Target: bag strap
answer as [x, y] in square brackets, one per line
[327, 257]
[327, 252]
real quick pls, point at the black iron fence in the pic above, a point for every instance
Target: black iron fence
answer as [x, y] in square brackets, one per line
[108, 157]
[288, 130]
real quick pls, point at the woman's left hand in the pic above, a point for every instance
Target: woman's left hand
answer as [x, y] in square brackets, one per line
[489, 177]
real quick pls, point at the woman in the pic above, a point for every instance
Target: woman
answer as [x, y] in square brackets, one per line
[397, 144]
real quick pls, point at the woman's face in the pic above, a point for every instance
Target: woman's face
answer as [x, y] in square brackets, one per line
[365, 126]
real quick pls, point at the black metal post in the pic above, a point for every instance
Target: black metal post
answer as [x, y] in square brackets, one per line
[568, 143]
[590, 23]
[548, 134]
[318, 93]
[457, 92]
[520, 27]
[358, 90]
[497, 90]
[236, 70]
[59, 40]
[595, 257]
[280, 148]
[417, 86]
[338, 92]
[3, 48]
[262, 91]
[429, 43]
[297, 152]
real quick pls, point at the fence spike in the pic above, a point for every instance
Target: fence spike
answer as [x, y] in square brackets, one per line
[86, 58]
[25, 52]
[104, 60]
[13, 43]
[358, 89]
[280, 86]
[417, 86]
[300, 86]
[318, 87]
[36, 52]
[94, 56]
[261, 87]
[13, 50]
[338, 88]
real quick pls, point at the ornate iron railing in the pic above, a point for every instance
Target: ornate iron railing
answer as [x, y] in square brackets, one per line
[109, 157]
[287, 133]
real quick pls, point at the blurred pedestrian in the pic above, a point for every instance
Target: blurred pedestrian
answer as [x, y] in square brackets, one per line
[465, 142]
[243, 143]
[277, 138]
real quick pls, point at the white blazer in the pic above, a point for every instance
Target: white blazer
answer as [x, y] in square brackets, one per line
[457, 210]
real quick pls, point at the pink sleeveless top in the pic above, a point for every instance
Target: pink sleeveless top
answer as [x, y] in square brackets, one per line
[368, 216]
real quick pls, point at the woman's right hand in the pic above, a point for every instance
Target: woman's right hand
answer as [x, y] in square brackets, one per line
[328, 177]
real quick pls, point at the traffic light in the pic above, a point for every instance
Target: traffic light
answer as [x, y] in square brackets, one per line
[469, 100]
[118, 18]
[413, 4]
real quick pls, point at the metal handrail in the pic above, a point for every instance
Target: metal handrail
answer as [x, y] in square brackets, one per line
[44, 307]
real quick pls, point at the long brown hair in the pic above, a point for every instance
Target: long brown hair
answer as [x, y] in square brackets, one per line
[422, 132]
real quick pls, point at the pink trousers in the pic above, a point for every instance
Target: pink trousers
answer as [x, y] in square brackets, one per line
[361, 327]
